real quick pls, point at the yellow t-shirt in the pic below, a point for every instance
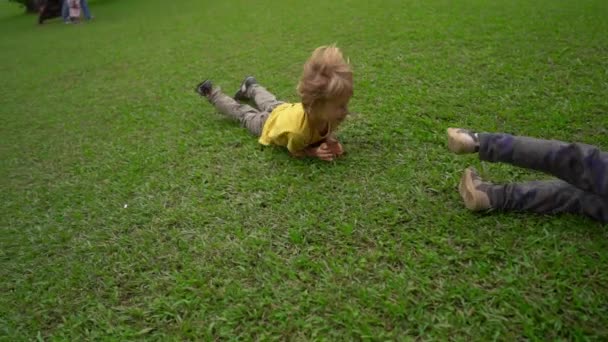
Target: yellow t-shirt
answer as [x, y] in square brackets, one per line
[288, 126]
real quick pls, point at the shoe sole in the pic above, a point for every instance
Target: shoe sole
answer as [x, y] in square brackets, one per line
[466, 189]
[463, 191]
[200, 91]
[239, 96]
[455, 143]
[474, 199]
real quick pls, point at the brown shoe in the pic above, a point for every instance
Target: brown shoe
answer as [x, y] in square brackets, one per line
[461, 141]
[471, 190]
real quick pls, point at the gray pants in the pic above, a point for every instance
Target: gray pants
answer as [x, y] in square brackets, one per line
[582, 187]
[251, 118]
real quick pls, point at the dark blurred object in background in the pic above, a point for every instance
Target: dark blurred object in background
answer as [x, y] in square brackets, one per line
[49, 9]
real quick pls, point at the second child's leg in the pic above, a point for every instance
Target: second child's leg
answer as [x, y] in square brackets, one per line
[544, 197]
[581, 165]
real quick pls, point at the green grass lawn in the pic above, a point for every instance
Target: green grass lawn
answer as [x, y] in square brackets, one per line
[130, 209]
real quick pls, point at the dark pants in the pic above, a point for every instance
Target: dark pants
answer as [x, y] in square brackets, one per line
[582, 187]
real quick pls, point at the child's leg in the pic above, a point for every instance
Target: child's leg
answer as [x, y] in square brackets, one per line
[85, 9]
[545, 197]
[248, 116]
[65, 12]
[583, 166]
[262, 98]
[548, 197]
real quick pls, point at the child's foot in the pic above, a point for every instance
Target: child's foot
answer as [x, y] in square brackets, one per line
[204, 88]
[461, 141]
[472, 191]
[241, 94]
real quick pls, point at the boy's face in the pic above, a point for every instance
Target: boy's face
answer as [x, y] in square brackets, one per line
[335, 111]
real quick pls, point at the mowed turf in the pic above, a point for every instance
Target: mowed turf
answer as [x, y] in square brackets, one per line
[130, 209]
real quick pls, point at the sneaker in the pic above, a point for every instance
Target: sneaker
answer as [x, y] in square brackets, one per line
[472, 190]
[204, 88]
[461, 141]
[241, 94]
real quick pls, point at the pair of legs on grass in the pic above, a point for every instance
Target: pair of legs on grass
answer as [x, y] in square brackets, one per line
[251, 118]
[582, 172]
[65, 10]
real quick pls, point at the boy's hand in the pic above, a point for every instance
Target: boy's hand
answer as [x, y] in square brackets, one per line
[323, 152]
[335, 147]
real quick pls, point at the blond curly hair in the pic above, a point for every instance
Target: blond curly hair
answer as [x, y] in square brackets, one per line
[326, 76]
